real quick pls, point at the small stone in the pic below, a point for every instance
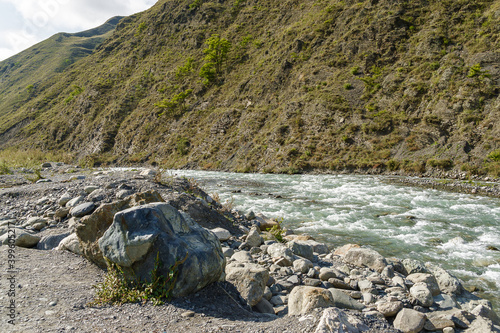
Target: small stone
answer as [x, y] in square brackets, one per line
[368, 298]
[27, 240]
[75, 201]
[91, 188]
[227, 251]
[61, 213]
[64, 199]
[53, 303]
[365, 285]
[428, 279]
[389, 309]
[325, 274]
[122, 194]
[264, 306]
[339, 284]
[277, 300]
[435, 323]
[312, 282]
[409, 321]
[268, 294]
[82, 209]
[302, 265]
[253, 238]
[188, 314]
[294, 279]
[222, 234]
[242, 256]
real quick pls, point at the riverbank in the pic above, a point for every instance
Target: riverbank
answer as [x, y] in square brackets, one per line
[47, 277]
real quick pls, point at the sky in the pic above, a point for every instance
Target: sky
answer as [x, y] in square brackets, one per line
[24, 23]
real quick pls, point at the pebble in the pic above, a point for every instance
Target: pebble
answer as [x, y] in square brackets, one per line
[188, 314]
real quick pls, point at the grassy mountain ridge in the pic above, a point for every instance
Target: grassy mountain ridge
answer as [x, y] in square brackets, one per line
[306, 85]
[30, 73]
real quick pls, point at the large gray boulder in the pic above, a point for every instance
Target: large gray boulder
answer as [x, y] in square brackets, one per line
[139, 234]
[91, 227]
[250, 280]
[428, 279]
[302, 249]
[363, 257]
[303, 299]
[447, 282]
[422, 294]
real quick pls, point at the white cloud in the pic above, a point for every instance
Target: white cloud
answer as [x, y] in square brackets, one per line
[26, 22]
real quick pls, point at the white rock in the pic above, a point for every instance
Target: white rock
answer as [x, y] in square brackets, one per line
[222, 234]
[422, 294]
[75, 201]
[71, 244]
[91, 188]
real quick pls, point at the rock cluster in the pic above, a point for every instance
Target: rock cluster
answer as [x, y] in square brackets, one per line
[302, 275]
[353, 286]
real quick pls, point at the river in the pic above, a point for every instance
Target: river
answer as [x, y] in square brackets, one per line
[460, 232]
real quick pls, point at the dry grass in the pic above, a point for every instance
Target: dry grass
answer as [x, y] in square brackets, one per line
[30, 158]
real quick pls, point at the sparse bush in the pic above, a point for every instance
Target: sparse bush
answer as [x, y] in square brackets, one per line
[475, 70]
[277, 231]
[392, 165]
[176, 105]
[37, 176]
[183, 145]
[140, 29]
[117, 290]
[195, 4]
[494, 155]
[4, 169]
[76, 91]
[440, 164]
[347, 86]
[185, 69]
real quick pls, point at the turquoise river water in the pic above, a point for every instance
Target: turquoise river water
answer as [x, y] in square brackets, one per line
[452, 229]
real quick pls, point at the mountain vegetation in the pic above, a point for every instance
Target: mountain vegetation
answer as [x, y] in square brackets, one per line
[271, 86]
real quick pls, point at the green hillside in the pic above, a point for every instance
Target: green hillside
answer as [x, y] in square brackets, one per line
[285, 86]
[28, 74]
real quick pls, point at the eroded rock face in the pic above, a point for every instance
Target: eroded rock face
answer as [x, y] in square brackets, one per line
[250, 280]
[139, 234]
[91, 227]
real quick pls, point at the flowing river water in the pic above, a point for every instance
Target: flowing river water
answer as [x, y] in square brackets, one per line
[460, 232]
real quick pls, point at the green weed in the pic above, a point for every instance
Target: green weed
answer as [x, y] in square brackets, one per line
[117, 290]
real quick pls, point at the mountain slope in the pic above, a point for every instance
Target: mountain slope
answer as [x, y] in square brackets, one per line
[26, 75]
[323, 85]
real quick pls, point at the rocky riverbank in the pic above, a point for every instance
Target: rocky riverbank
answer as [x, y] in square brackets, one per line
[273, 282]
